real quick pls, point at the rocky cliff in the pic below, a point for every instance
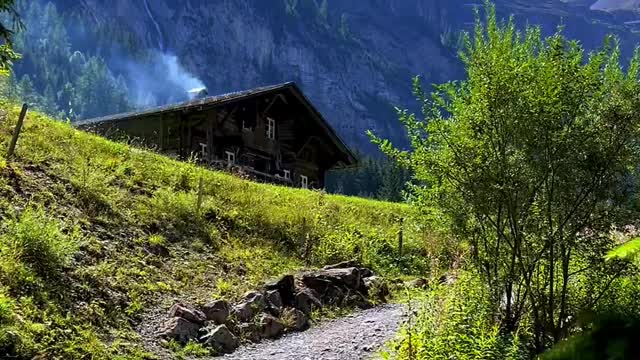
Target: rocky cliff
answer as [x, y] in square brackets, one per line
[353, 58]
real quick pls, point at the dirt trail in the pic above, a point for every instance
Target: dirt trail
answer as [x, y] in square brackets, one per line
[357, 336]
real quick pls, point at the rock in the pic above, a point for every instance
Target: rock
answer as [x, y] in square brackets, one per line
[275, 300]
[343, 265]
[306, 300]
[254, 303]
[364, 272]
[179, 329]
[221, 339]
[295, 319]
[417, 283]
[377, 288]
[250, 331]
[243, 312]
[286, 287]
[349, 277]
[158, 250]
[328, 292]
[188, 313]
[216, 311]
[357, 299]
[271, 326]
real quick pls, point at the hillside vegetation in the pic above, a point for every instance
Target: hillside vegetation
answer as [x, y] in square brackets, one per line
[97, 236]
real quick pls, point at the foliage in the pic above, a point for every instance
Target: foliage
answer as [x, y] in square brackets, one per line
[8, 27]
[629, 250]
[610, 337]
[32, 248]
[526, 160]
[455, 322]
[381, 179]
[54, 77]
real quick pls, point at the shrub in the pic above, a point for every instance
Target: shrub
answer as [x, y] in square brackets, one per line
[34, 247]
[456, 322]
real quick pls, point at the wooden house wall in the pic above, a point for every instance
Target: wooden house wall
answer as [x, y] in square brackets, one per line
[300, 145]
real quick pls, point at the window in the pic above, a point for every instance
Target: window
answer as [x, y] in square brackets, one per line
[231, 158]
[271, 128]
[304, 182]
[287, 174]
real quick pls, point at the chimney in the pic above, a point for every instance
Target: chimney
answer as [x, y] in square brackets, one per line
[198, 93]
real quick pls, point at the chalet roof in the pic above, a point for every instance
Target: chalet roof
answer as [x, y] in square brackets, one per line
[214, 101]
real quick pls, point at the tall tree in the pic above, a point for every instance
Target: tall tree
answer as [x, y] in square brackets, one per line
[7, 30]
[525, 160]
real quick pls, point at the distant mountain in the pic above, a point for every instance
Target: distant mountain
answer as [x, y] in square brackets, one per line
[354, 58]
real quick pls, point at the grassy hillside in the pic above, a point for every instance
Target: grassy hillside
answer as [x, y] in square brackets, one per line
[98, 237]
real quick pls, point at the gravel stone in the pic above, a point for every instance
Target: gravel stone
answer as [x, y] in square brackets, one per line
[350, 338]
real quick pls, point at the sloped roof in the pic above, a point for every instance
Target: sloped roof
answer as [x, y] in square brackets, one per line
[214, 101]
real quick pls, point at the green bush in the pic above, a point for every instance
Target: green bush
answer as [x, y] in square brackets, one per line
[610, 336]
[455, 322]
[34, 248]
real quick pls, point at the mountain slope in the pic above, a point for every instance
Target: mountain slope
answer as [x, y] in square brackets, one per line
[98, 237]
[353, 58]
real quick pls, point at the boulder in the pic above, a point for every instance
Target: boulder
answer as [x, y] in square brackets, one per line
[275, 300]
[270, 326]
[188, 313]
[417, 283]
[254, 303]
[343, 265]
[348, 277]
[286, 287]
[364, 272]
[216, 311]
[221, 339]
[376, 287]
[295, 319]
[179, 329]
[306, 300]
[357, 299]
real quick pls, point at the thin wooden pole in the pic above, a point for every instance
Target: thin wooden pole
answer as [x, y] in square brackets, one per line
[16, 132]
[306, 239]
[400, 240]
[200, 195]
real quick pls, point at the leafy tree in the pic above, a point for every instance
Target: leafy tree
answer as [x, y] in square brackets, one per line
[7, 31]
[525, 160]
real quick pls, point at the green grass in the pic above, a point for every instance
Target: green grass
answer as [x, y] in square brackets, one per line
[83, 221]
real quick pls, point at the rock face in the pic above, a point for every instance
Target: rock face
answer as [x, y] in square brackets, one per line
[235, 45]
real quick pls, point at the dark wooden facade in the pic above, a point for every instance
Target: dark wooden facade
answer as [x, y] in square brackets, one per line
[272, 134]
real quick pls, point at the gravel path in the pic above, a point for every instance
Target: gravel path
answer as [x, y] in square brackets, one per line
[357, 336]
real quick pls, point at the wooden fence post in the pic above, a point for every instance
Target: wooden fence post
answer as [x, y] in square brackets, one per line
[200, 195]
[16, 132]
[400, 240]
[307, 242]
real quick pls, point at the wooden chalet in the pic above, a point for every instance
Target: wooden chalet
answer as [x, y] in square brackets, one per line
[271, 133]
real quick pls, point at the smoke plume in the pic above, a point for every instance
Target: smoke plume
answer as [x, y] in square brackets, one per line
[159, 80]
